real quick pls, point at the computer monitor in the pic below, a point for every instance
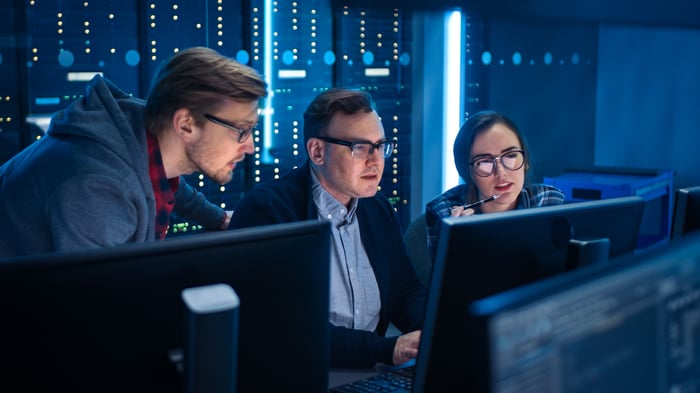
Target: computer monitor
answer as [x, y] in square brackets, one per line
[109, 319]
[482, 255]
[686, 212]
[628, 327]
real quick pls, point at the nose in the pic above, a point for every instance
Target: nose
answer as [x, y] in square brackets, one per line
[249, 145]
[498, 168]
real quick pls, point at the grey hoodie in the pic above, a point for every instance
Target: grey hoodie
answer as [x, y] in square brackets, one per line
[85, 184]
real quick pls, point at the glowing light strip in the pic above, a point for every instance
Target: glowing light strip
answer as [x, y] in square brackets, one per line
[267, 66]
[82, 76]
[47, 100]
[375, 72]
[291, 74]
[41, 121]
[452, 100]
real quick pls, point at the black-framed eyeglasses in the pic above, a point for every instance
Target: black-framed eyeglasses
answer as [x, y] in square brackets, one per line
[243, 135]
[486, 166]
[362, 150]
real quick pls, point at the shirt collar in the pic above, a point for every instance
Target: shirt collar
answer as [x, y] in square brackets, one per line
[328, 207]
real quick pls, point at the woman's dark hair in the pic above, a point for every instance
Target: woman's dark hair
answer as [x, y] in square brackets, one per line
[475, 125]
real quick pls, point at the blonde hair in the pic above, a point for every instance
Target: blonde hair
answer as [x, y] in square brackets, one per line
[197, 79]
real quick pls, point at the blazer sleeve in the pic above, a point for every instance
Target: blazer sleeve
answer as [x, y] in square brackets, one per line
[265, 205]
[352, 348]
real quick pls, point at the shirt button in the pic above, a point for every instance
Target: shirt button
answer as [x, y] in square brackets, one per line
[329, 216]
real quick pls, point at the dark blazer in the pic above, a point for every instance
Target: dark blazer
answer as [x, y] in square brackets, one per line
[290, 199]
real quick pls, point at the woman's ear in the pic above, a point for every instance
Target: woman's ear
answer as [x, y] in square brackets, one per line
[316, 149]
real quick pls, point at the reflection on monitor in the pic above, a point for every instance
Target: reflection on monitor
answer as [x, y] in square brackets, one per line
[482, 255]
[686, 214]
[108, 319]
[630, 327]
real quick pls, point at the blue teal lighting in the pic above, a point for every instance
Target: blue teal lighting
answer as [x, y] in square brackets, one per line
[329, 58]
[575, 59]
[242, 56]
[132, 57]
[368, 58]
[66, 58]
[548, 58]
[517, 58]
[265, 155]
[288, 57]
[486, 58]
[47, 100]
[452, 113]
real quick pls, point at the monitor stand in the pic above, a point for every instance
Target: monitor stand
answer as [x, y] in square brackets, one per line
[211, 339]
[582, 252]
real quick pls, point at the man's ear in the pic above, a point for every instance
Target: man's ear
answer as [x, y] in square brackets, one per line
[316, 149]
[183, 123]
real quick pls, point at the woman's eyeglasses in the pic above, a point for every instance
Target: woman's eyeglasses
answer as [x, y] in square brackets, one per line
[486, 166]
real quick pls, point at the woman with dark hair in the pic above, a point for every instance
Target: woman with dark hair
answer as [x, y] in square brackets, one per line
[492, 157]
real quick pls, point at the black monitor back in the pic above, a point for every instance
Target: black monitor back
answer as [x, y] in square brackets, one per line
[479, 256]
[106, 320]
[631, 326]
[686, 213]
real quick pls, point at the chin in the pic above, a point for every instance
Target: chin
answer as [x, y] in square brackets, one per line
[221, 178]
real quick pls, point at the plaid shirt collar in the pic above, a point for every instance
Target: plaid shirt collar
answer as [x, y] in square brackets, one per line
[163, 188]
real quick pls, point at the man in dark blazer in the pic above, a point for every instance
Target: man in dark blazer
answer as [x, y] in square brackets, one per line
[372, 280]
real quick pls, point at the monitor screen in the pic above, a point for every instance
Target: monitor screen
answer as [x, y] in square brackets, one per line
[633, 326]
[108, 319]
[482, 255]
[686, 214]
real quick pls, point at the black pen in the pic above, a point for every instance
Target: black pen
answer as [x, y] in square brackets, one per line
[480, 202]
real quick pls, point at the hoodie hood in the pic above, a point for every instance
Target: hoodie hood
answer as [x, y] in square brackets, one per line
[106, 115]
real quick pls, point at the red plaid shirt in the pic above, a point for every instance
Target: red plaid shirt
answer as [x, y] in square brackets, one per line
[163, 187]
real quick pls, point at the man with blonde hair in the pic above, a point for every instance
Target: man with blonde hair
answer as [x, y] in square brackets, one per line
[108, 171]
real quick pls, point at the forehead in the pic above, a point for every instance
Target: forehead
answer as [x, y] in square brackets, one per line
[358, 126]
[238, 110]
[494, 140]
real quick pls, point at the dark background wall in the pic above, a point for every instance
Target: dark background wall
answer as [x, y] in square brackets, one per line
[598, 82]
[551, 93]
[648, 99]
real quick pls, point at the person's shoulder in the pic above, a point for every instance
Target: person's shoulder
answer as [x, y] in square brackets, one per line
[545, 194]
[454, 196]
[291, 183]
[379, 200]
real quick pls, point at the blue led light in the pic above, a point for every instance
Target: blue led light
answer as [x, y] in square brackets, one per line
[243, 57]
[368, 58]
[329, 57]
[66, 58]
[132, 57]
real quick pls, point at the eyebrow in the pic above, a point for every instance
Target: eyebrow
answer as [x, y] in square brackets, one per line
[507, 149]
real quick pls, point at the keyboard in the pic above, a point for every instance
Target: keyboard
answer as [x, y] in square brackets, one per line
[395, 381]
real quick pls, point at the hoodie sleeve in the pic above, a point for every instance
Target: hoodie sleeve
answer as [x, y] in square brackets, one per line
[191, 204]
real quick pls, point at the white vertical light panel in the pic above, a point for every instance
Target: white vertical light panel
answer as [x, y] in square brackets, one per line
[267, 65]
[452, 100]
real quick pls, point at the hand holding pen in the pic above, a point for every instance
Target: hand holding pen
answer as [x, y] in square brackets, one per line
[457, 211]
